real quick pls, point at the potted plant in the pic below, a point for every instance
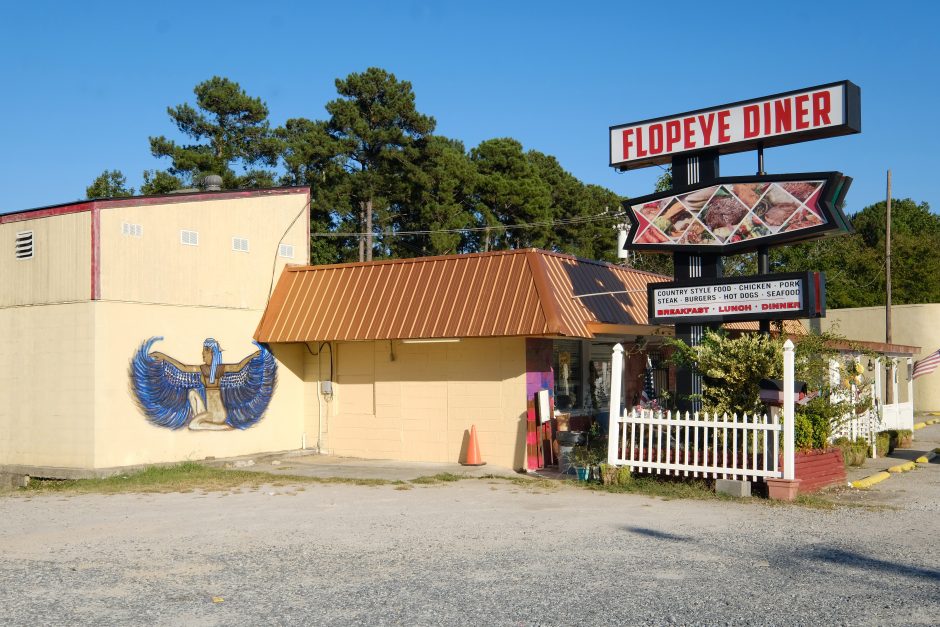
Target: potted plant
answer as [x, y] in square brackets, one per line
[584, 458]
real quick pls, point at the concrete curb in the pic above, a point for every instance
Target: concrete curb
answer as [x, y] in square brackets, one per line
[867, 482]
[919, 425]
[903, 467]
[878, 477]
[925, 459]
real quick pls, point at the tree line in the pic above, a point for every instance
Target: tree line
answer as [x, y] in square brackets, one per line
[385, 185]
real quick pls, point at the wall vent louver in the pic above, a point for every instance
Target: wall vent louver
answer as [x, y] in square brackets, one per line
[24, 245]
[286, 251]
[240, 244]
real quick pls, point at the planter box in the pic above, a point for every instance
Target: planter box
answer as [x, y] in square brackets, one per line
[819, 469]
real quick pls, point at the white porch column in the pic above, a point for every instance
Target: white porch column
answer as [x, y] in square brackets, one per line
[878, 395]
[895, 388]
[910, 382]
[613, 421]
[789, 457]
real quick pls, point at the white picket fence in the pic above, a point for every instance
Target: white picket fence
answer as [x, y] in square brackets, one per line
[702, 446]
[694, 445]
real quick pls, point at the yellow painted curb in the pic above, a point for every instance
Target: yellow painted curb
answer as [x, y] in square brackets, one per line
[919, 425]
[925, 459]
[903, 467]
[933, 421]
[935, 413]
[867, 482]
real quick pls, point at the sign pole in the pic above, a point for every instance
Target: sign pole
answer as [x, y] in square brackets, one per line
[763, 268]
[890, 399]
[688, 170]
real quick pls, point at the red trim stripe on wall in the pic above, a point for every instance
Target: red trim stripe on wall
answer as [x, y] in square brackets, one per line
[95, 252]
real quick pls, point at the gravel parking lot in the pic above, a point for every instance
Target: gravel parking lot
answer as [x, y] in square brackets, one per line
[472, 552]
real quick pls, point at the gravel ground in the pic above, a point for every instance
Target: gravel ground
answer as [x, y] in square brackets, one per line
[473, 552]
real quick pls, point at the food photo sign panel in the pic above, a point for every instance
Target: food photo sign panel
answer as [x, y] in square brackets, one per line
[801, 115]
[737, 214]
[763, 297]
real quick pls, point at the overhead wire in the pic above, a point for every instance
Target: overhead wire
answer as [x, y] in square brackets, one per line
[497, 227]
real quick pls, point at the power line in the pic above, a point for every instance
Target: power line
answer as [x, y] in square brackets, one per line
[496, 227]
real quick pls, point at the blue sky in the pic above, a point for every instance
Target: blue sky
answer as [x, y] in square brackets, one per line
[85, 84]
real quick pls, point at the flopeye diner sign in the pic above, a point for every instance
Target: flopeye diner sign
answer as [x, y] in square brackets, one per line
[813, 113]
[769, 297]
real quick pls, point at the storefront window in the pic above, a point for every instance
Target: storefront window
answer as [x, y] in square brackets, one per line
[566, 361]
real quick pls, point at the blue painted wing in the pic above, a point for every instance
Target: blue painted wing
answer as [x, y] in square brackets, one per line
[246, 393]
[161, 389]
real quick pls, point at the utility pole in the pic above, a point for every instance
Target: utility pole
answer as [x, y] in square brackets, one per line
[889, 388]
[369, 230]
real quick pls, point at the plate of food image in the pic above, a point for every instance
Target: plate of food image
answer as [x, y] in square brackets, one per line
[674, 220]
[722, 214]
[697, 199]
[698, 235]
[749, 193]
[801, 190]
[805, 219]
[751, 228]
[775, 208]
[649, 210]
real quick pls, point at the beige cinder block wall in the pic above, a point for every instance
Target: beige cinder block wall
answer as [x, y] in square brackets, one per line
[47, 385]
[913, 325]
[60, 270]
[416, 402]
[122, 434]
[158, 268]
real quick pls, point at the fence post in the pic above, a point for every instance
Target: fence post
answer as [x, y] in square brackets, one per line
[789, 458]
[613, 424]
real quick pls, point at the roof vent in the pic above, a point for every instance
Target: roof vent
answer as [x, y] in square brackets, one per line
[212, 183]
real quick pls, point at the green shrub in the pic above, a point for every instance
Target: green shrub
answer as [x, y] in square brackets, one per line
[803, 432]
[883, 444]
[853, 453]
[898, 438]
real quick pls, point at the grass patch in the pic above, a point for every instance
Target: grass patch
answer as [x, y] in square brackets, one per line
[669, 488]
[441, 477]
[185, 477]
[666, 488]
[528, 482]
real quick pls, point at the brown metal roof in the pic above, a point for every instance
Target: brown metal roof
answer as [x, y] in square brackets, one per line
[511, 293]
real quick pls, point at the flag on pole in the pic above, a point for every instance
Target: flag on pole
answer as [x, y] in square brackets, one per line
[926, 365]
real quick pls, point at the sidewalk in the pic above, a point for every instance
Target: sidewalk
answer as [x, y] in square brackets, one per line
[311, 464]
[924, 442]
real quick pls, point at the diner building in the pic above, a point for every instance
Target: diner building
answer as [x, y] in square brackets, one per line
[404, 356]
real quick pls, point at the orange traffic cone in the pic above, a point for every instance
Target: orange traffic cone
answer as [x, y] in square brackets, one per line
[473, 449]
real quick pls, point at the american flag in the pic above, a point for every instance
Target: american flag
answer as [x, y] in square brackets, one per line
[926, 365]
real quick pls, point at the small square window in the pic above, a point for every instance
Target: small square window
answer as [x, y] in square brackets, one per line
[189, 238]
[286, 251]
[24, 245]
[240, 244]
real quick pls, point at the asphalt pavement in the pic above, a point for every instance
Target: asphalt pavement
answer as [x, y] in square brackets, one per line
[479, 551]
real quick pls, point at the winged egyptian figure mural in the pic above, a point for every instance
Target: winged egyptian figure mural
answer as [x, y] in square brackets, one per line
[209, 396]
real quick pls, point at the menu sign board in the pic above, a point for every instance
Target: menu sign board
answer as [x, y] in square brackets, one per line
[796, 116]
[763, 297]
[736, 214]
